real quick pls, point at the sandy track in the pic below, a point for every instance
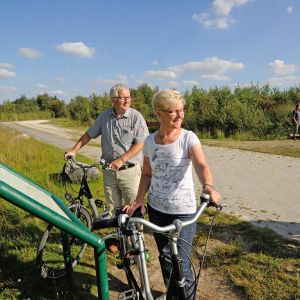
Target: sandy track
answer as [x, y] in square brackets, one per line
[260, 188]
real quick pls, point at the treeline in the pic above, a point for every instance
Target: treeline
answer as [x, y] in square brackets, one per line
[249, 112]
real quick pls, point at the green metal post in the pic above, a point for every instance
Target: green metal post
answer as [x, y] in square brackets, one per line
[101, 273]
[28, 204]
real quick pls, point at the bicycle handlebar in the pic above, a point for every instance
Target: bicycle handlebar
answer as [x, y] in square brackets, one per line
[115, 222]
[124, 219]
[102, 163]
[178, 224]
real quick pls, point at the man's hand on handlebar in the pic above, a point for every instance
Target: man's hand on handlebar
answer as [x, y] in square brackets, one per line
[69, 154]
[116, 164]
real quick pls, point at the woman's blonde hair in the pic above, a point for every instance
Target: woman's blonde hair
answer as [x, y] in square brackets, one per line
[166, 99]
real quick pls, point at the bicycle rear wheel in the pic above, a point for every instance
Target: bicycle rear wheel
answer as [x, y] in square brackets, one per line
[50, 259]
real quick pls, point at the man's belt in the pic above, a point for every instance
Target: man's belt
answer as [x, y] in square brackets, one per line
[127, 166]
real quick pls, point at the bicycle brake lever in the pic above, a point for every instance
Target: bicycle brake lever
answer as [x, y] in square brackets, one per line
[122, 219]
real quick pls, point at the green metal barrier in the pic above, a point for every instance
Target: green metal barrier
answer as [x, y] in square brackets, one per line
[32, 198]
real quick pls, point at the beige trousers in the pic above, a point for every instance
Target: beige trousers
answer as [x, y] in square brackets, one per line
[120, 187]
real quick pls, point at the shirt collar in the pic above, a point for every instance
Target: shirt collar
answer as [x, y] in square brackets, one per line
[125, 115]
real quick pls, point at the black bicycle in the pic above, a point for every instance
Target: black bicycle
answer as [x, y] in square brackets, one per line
[49, 258]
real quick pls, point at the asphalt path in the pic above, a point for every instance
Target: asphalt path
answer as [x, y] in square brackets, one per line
[261, 188]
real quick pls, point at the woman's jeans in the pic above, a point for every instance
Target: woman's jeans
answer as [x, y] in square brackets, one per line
[184, 249]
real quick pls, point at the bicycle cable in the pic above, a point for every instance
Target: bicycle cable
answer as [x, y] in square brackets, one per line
[197, 277]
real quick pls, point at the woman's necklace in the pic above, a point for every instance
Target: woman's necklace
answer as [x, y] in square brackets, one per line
[167, 137]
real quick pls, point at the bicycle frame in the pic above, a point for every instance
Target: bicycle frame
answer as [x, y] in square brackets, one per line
[84, 187]
[174, 231]
[85, 191]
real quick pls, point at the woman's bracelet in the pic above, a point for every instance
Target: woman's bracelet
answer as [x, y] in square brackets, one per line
[207, 184]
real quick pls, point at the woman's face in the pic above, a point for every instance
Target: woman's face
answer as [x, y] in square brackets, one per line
[172, 117]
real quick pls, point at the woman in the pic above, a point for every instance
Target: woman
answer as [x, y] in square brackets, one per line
[169, 154]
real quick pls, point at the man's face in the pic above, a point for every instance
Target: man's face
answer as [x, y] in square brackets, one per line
[123, 101]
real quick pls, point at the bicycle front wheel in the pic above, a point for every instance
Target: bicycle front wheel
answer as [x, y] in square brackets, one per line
[50, 259]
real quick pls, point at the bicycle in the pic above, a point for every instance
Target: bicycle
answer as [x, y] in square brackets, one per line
[133, 227]
[49, 258]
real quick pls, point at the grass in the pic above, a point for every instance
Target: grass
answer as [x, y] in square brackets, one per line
[68, 123]
[278, 147]
[260, 263]
[20, 232]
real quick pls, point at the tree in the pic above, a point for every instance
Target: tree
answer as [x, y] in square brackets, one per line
[79, 109]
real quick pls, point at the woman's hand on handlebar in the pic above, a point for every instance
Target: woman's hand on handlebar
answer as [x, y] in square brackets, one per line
[215, 196]
[130, 208]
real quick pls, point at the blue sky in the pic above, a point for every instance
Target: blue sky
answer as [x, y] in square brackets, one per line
[74, 47]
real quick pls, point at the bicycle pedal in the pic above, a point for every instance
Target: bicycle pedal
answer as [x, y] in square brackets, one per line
[134, 252]
[120, 265]
[129, 295]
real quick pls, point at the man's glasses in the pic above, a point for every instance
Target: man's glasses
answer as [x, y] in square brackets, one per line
[123, 99]
[173, 112]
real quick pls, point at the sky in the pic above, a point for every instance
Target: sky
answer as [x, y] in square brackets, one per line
[67, 48]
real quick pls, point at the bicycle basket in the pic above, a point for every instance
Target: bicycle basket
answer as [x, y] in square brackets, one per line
[73, 173]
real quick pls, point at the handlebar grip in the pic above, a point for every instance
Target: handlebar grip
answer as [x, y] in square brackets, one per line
[70, 157]
[206, 198]
[138, 213]
[106, 223]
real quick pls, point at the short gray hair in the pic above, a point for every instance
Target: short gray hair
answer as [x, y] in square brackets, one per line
[114, 91]
[165, 99]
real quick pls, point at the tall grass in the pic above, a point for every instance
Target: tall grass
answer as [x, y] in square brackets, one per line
[19, 231]
[26, 116]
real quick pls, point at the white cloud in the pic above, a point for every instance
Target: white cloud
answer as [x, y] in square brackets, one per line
[160, 74]
[289, 9]
[77, 49]
[224, 7]
[6, 66]
[155, 62]
[211, 65]
[140, 81]
[212, 68]
[284, 81]
[30, 53]
[57, 92]
[214, 77]
[7, 89]
[5, 74]
[59, 79]
[41, 86]
[122, 79]
[218, 16]
[208, 21]
[279, 67]
[190, 82]
[172, 84]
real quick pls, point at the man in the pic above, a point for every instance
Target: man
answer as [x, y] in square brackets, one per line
[122, 131]
[296, 119]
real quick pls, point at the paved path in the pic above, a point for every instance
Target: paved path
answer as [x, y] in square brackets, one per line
[260, 188]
